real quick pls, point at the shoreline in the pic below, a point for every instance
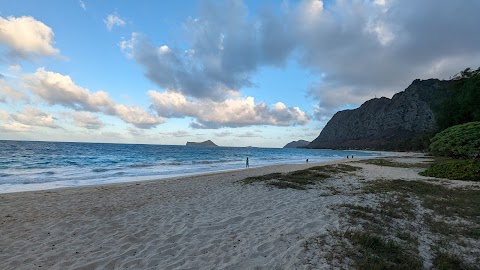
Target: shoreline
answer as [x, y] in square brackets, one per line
[58, 185]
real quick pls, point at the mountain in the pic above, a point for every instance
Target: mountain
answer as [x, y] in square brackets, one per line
[297, 144]
[205, 143]
[387, 124]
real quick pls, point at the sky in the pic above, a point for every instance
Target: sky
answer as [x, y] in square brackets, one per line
[240, 73]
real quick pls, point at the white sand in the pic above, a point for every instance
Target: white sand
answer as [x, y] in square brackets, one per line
[202, 222]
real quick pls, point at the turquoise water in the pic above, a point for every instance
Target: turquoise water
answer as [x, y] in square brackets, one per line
[44, 165]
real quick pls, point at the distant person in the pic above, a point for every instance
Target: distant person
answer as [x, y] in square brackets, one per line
[347, 156]
[352, 156]
[307, 160]
[247, 165]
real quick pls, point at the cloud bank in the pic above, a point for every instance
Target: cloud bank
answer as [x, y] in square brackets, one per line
[236, 112]
[57, 89]
[358, 49]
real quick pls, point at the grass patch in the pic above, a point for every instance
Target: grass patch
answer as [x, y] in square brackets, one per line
[406, 236]
[448, 202]
[390, 163]
[454, 213]
[444, 261]
[261, 178]
[303, 178]
[337, 168]
[455, 169]
[284, 185]
[376, 252]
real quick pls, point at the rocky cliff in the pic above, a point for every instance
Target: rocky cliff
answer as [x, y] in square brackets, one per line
[297, 144]
[383, 123]
[205, 143]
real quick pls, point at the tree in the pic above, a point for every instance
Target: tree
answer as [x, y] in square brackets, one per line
[462, 104]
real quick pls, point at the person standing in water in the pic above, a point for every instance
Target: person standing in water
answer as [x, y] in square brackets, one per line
[247, 165]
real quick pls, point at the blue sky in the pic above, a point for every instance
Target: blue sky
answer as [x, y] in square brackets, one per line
[241, 73]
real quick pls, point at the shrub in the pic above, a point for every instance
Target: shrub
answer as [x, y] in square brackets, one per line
[461, 141]
[455, 169]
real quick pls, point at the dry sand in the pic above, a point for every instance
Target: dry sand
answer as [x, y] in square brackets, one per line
[202, 222]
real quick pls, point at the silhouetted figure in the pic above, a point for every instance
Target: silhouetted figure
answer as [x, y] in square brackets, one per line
[307, 160]
[347, 156]
[247, 165]
[352, 156]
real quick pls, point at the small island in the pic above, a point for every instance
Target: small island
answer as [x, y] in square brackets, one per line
[297, 144]
[205, 143]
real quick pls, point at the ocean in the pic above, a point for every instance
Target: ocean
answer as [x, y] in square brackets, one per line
[29, 165]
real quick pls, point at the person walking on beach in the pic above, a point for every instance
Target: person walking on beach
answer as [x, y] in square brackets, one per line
[307, 160]
[247, 165]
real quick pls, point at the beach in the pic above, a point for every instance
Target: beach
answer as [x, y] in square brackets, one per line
[211, 221]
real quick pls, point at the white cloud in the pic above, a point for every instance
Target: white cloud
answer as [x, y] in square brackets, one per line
[225, 50]
[14, 127]
[136, 132]
[33, 116]
[58, 89]
[223, 134]
[9, 94]
[229, 113]
[87, 120]
[248, 134]
[15, 68]
[27, 37]
[384, 35]
[4, 115]
[178, 134]
[82, 4]
[113, 20]
[137, 116]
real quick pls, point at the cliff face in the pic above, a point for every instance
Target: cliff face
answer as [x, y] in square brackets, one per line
[205, 143]
[296, 144]
[383, 123]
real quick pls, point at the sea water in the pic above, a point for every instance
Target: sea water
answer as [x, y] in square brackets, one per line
[29, 165]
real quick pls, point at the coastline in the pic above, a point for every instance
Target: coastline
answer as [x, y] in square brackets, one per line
[204, 221]
[34, 187]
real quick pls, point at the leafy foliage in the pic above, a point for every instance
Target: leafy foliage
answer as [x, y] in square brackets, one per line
[445, 261]
[462, 105]
[455, 169]
[461, 141]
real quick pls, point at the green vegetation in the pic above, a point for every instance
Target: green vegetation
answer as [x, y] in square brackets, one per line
[461, 141]
[462, 104]
[455, 169]
[446, 262]
[387, 232]
[375, 252]
[302, 178]
[447, 202]
[391, 163]
[459, 104]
